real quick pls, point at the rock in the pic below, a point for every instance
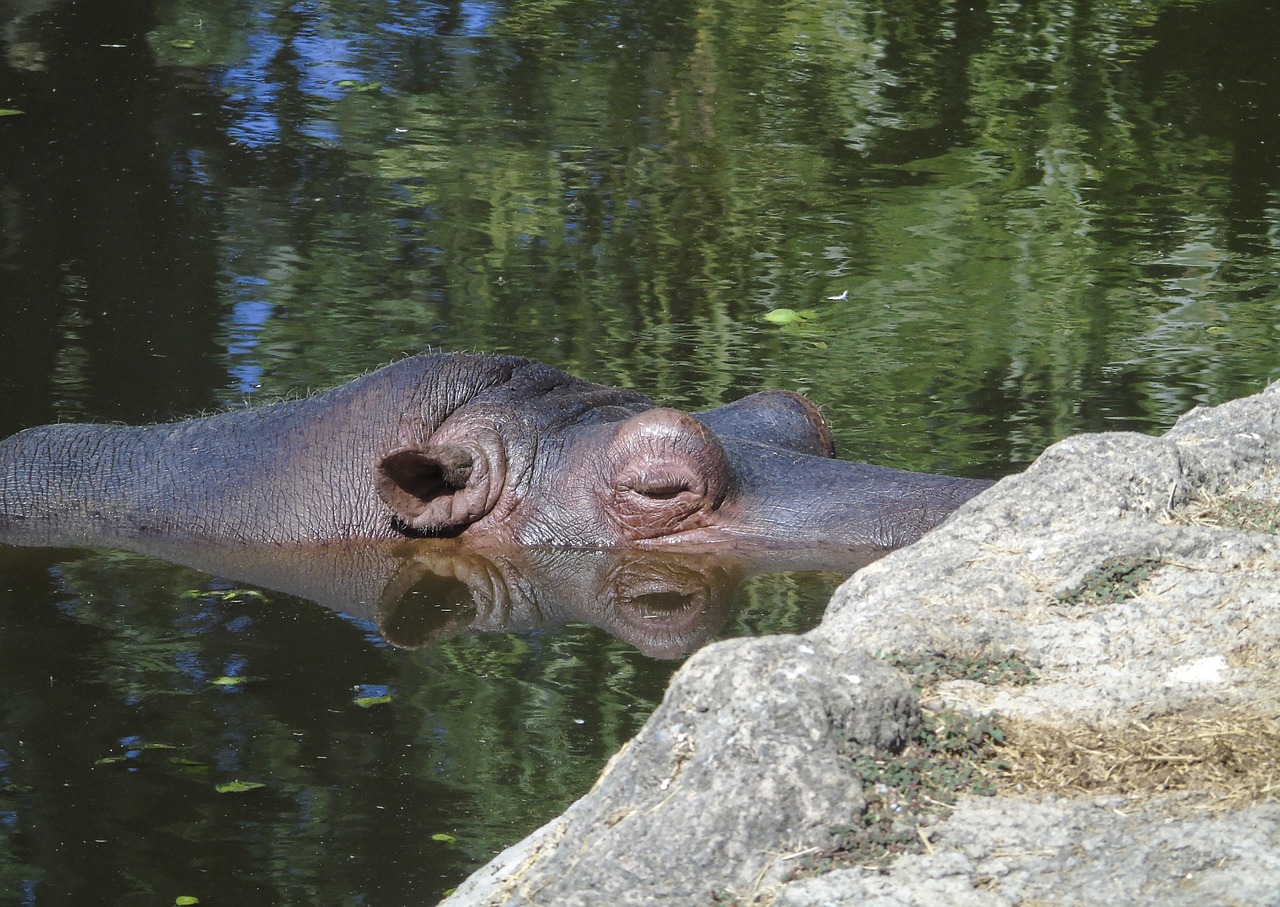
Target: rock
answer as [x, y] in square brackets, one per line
[1001, 852]
[1138, 577]
[998, 576]
[745, 762]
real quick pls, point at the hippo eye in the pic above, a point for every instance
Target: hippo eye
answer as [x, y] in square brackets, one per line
[667, 474]
[662, 489]
[662, 485]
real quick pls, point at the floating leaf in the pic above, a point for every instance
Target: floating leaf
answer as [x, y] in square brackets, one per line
[227, 680]
[238, 787]
[185, 900]
[109, 760]
[789, 316]
[183, 44]
[187, 763]
[445, 839]
[359, 86]
[818, 344]
[225, 595]
[157, 746]
[371, 694]
[10, 112]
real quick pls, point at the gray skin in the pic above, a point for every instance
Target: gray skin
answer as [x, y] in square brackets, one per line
[494, 450]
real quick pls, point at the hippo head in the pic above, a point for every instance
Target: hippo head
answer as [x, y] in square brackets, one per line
[583, 466]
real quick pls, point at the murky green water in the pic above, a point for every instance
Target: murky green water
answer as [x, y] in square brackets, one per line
[997, 224]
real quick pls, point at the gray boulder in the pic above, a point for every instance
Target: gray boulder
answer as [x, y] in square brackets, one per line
[745, 762]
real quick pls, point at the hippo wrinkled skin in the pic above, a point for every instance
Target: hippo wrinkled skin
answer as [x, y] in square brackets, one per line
[493, 450]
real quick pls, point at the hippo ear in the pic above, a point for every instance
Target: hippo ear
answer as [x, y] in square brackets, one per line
[438, 489]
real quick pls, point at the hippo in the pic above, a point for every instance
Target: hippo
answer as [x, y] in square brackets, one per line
[493, 450]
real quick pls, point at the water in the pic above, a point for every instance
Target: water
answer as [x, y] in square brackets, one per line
[999, 224]
[134, 688]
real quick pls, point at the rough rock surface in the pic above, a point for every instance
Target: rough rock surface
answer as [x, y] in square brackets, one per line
[746, 763]
[1001, 852]
[691, 805]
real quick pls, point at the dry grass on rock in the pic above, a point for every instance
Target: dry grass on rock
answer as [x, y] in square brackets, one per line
[1233, 754]
[1229, 510]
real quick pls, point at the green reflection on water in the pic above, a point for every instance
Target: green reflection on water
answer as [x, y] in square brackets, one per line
[119, 734]
[1011, 220]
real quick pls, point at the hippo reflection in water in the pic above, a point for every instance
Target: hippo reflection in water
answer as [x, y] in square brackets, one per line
[492, 450]
[420, 592]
